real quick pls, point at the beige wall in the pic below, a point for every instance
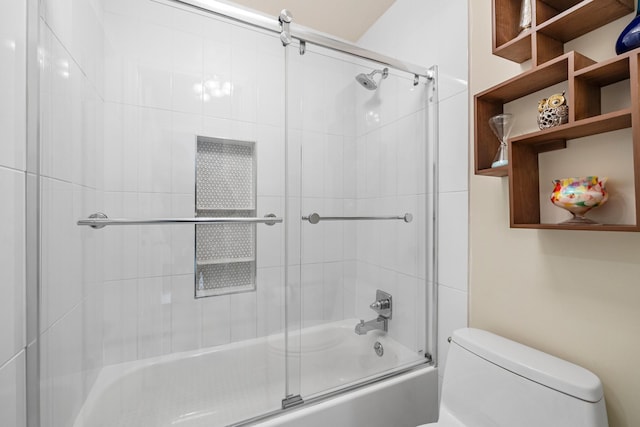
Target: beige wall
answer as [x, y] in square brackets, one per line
[573, 294]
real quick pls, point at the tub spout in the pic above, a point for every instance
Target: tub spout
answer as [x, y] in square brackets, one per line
[380, 322]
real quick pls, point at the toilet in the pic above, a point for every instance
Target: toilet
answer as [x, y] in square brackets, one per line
[491, 381]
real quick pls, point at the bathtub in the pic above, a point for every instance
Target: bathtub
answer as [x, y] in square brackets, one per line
[230, 384]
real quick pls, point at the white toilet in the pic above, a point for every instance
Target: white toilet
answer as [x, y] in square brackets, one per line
[490, 381]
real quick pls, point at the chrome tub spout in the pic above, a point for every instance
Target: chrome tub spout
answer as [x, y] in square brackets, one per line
[380, 323]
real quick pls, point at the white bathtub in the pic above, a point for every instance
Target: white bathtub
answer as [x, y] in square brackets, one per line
[231, 383]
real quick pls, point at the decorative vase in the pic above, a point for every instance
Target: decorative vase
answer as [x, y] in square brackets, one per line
[579, 195]
[630, 37]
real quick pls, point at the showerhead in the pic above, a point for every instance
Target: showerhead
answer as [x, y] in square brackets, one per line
[367, 81]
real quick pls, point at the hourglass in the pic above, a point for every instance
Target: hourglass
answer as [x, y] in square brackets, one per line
[501, 126]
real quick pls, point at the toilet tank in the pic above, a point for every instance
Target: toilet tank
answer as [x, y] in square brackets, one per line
[491, 381]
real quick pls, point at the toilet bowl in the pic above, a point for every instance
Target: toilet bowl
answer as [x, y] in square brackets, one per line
[491, 381]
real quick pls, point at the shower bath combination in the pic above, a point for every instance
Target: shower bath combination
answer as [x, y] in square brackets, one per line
[240, 249]
[367, 81]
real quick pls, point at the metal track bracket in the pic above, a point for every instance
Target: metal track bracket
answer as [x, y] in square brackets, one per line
[291, 401]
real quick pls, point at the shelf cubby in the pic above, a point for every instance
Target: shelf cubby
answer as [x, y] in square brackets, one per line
[554, 22]
[586, 79]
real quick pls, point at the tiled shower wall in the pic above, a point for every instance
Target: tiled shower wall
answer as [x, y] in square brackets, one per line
[13, 147]
[71, 140]
[171, 75]
[418, 27]
[393, 178]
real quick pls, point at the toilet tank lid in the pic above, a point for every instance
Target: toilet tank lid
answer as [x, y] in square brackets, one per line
[530, 363]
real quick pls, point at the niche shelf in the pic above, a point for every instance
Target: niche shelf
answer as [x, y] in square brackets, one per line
[554, 22]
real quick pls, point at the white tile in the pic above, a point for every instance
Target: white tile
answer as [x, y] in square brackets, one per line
[408, 236]
[403, 327]
[154, 161]
[312, 294]
[333, 231]
[187, 51]
[453, 240]
[121, 243]
[182, 236]
[186, 328]
[155, 45]
[270, 157]
[411, 98]
[312, 235]
[334, 167]
[452, 315]
[187, 93]
[65, 358]
[244, 68]
[388, 169]
[270, 239]
[121, 50]
[349, 289]
[411, 164]
[217, 84]
[271, 89]
[92, 339]
[154, 241]
[243, 316]
[154, 316]
[333, 292]
[349, 174]
[216, 320]
[61, 249]
[120, 328]
[373, 161]
[13, 393]
[12, 263]
[12, 85]
[186, 128]
[452, 56]
[313, 155]
[388, 93]
[154, 87]
[57, 145]
[454, 142]
[270, 295]
[121, 130]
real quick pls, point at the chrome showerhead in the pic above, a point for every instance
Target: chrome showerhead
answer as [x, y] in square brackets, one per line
[367, 81]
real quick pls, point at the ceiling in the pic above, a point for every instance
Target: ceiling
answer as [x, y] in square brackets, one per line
[348, 20]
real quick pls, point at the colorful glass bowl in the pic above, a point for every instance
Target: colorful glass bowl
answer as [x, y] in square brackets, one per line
[579, 195]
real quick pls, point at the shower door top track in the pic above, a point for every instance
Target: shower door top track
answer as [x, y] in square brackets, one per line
[302, 33]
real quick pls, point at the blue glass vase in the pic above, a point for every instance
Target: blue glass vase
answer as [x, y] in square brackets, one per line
[630, 37]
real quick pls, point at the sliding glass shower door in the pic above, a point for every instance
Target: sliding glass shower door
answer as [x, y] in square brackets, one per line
[358, 215]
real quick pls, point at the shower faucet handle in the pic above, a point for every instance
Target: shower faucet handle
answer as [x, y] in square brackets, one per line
[383, 305]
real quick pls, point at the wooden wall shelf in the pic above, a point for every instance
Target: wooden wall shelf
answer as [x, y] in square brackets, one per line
[554, 23]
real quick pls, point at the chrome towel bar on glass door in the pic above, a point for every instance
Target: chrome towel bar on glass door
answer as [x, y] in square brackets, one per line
[100, 220]
[315, 218]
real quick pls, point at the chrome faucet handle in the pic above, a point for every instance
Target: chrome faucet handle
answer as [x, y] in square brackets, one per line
[383, 305]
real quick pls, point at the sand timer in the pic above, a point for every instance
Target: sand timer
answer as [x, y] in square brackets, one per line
[501, 126]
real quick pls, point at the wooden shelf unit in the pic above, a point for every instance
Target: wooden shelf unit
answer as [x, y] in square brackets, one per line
[554, 22]
[585, 80]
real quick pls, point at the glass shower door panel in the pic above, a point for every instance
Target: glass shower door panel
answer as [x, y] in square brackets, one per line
[363, 208]
[184, 324]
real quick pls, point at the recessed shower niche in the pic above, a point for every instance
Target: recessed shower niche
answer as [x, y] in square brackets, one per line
[225, 260]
